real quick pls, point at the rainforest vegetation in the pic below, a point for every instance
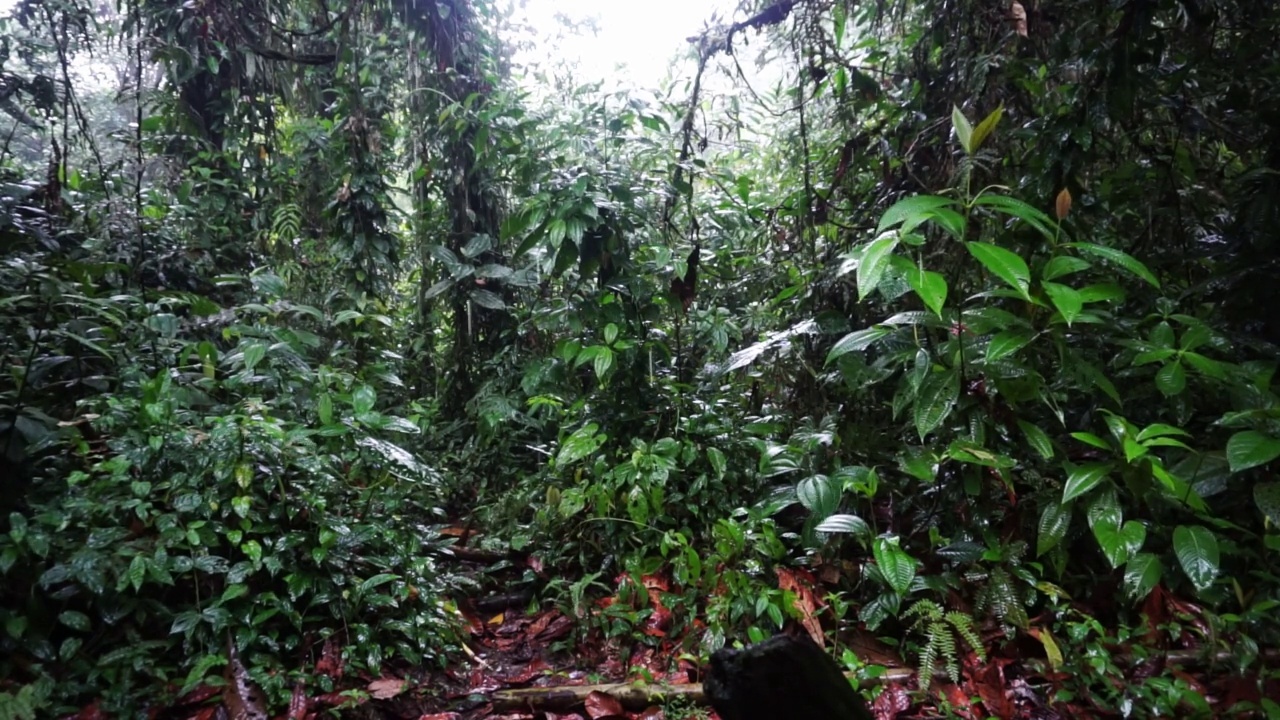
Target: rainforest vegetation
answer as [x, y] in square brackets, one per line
[353, 365]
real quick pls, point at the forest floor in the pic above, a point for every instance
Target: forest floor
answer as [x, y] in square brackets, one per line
[522, 662]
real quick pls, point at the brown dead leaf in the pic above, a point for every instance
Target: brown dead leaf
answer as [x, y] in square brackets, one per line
[243, 699]
[801, 583]
[386, 688]
[330, 659]
[958, 699]
[653, 712]
[602, 705]
[1062, 205]
[439, 716]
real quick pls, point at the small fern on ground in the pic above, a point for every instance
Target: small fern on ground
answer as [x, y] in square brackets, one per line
[940, 629]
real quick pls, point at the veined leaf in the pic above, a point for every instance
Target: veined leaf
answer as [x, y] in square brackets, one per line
[1007, 343]
[1197, 551]
[1055, 519]
[875, 259]
[937, 396]
[1123, 259]
[1065, 299]
[1250, 449]
[1021, 210]
[856, 341]
[985, 127]
[1063, 265]
[1266, 496]
[1004, 264]
[964, 130]
[931, 287]
[1082, 480]
[841, 523]
[1038, 439]
[912, 211]
[897, 567]
[1141, 574]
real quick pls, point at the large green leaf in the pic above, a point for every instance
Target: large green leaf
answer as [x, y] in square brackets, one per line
[1141, 574]
[1250, 449]
[931, 287]
[964, 131]
[583, 442]
[1123, 259]
[937, 396]
[1055, 519]
[1171, 379]
[912, 211]
[819, 495]
[1083, 479]
[847, 524]
[897, 567]
[1197, 551]
[1038, 439]
[874, 261]
[1004, 264]
[1065, 299]
[1021, 210]
[857, 341]
[1007, 343]
[1118, 544]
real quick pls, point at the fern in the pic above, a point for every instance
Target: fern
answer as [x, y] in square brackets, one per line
[27, 703]
[999, 596]
[940, 629]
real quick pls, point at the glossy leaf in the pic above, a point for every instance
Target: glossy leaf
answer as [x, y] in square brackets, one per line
[874, 261]
[1082, 480]
[1003, 264]
[1197, 552]
[1250, 449]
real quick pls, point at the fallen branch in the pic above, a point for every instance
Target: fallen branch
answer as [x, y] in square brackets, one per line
[638, 695]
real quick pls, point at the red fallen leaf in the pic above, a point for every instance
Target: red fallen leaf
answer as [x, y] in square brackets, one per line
[453, 531]
[892, 702]
[653, 712]
[557, 716]
[989, 685]
[659, 622]
[801, 583]
[330, 659]
[540, 625]
[297, 703]
[601, 705]
[656, 581]
[535, 564]
[385, 688]
[958, 699]
[559, 627]
[200, 694]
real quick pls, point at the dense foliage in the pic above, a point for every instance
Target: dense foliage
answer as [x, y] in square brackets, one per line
[964, 306]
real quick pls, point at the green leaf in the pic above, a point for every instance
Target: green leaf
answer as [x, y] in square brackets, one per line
[363, 399]
[1123, 259]
[580, 444]
[874, 261]
[1007, 343]
[602, 362]
[1266, 496]
[1141, 574]
[1082, 480]
[1065, 299]
[897, 567]
[937, 396]
[1197, 551]
[1004, 264]
[1063, 265]
[74, 620]
[1171, 379]
[964, 131]
[985, 127]
[253, 354]
[137, 572]
[857, 341]
[1120, 544]
[912, 211]
[487, 299]
[1055, 519]
[931, 287]
[1250, 449]
[1155, 430]
[1021, 210]
[845, 524]
[1038, 439]
[818, 495]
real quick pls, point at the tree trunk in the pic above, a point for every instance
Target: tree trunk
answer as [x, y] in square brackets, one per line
[779, 678]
